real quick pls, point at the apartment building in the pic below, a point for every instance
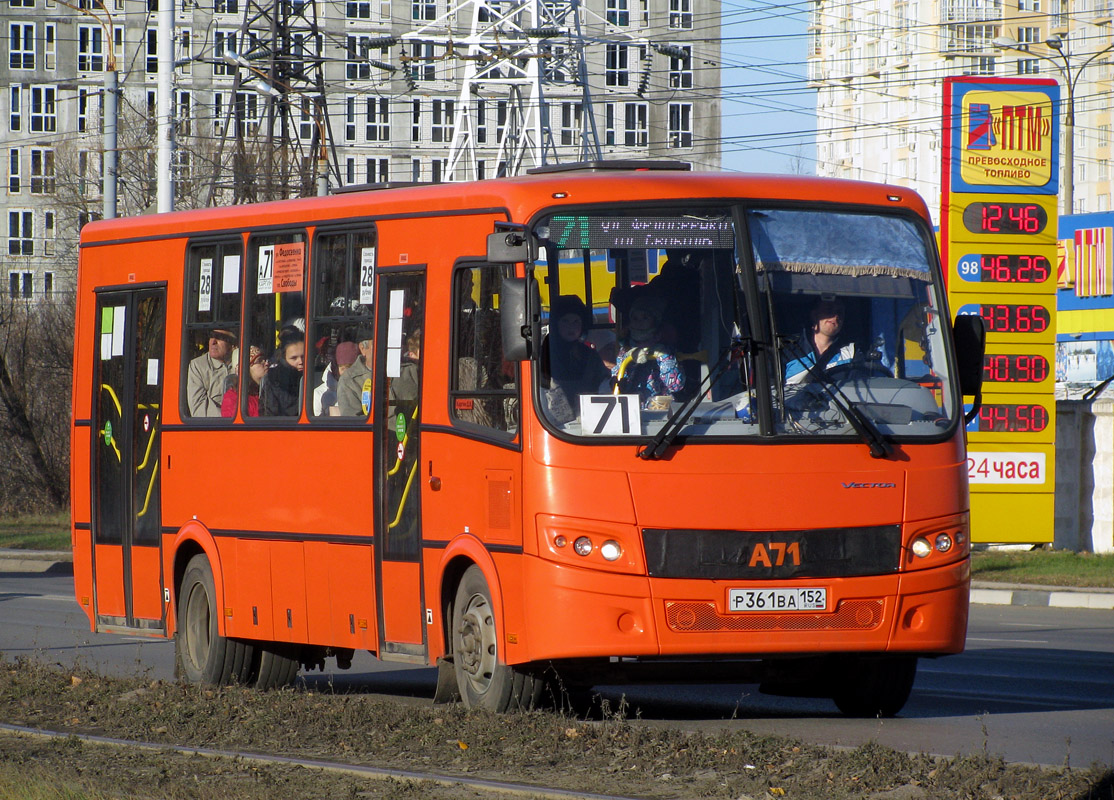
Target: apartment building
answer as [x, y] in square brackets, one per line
[258, 89]
[878, 69]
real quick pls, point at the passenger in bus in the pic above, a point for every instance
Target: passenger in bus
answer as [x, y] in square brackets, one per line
[644, 364]
[354, 386]
[404, 388]
[257, 368]
[280, 394]
[822, 345]
[207, 374]
[569, 364]
[325, 395]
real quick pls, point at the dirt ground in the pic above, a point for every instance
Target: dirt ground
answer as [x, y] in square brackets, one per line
[610, 755]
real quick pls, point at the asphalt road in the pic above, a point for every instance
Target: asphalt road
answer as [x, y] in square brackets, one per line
[1034, 685]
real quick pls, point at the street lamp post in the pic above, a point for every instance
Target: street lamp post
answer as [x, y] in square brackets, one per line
[1056, 43]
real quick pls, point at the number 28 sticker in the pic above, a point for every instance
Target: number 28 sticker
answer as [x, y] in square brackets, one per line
[610, 414]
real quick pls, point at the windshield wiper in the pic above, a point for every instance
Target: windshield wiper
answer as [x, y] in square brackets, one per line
[879, 446]
[664, 437]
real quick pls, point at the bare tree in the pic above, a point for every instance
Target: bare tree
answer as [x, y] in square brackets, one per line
[36, 354]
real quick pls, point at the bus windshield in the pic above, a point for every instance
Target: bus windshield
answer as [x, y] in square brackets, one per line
[808, 322]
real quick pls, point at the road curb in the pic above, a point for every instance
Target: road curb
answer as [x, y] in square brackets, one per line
[982, 592]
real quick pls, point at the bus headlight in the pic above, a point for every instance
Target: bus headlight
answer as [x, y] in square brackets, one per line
[943, 543]
[921, 547]
[611, 550]
[582, 546]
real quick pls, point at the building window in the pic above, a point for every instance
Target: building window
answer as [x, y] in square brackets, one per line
[481, 120]
[20, 285]
[609, 124]
[378, 127]
[21, 45]
[357, 10]
[357, 67]
[306, 123]
[15, 108]
[14, 160]
[570, 123]
[680, 14]
[50, 46]
[378, 170]
[443, 112]
[48, 234]
[350, 118]
[1028, 66]
[48, 285]
[43, 109]
[618, 12]
[1028, 35]
[980, 65]
[1028, 5]
[152, 63]
[183, 51]
[680, 68]
[226, 6]
[416, 121]
[21, 233]
[636, 132]
[416, 170]
[42, 171]
[82, 109]
[224, 43]
[90, 48]
[680, 124]
[423, 11]
[350, 170]
[617, 68]
[422, 65]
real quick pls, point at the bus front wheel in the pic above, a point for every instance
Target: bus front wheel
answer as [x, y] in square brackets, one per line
[484, 680]
[874, 687]
[202, 655]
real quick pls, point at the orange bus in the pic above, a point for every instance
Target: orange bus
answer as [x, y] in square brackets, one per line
[606, 422]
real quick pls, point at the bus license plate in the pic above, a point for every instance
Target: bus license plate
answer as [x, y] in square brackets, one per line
[748, 600]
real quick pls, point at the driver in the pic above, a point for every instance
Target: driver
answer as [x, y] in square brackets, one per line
[822, 343]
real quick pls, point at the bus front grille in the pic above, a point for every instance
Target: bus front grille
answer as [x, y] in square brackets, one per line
[702, 617]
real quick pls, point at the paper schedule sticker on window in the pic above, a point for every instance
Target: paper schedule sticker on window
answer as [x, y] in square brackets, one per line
[205, 285]
[288, 267]
[367, 276]
[231, 277]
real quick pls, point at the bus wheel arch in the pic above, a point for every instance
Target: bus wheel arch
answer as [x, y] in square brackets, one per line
[483, 678]
[201, 654]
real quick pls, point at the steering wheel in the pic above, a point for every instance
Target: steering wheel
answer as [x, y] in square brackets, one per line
[858, 369]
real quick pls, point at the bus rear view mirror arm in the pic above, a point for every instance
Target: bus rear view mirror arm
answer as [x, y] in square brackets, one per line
[520, 301]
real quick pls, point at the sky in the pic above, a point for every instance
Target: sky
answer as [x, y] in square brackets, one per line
[768, 113]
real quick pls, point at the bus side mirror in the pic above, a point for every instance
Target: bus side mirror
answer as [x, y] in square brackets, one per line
[969, 334]
[510, 244]
[519, 304]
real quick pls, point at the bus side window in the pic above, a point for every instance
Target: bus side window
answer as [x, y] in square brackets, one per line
[342, 324]
[211, 356]
[276, 320]
[484, 389]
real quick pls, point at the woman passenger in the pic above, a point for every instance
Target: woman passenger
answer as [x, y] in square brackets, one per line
[281, 392]
[257, 368]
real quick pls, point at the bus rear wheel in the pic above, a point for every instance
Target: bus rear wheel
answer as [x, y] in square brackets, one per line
[202, 655]
[278, 665]
[874, 687]
[483, 678]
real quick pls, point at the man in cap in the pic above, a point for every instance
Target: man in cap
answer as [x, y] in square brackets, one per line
[208, 373]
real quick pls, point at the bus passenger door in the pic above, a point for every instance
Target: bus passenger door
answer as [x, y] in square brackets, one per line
[127, 513]
[400, 299]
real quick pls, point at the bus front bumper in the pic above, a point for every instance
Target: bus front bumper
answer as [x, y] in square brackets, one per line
[576, 613]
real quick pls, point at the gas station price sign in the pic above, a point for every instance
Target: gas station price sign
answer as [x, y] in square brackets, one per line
[1000, 177]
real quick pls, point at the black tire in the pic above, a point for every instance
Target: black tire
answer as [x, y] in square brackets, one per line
[278, 665]
[484, 680]
[202, 655]
[875, 687]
